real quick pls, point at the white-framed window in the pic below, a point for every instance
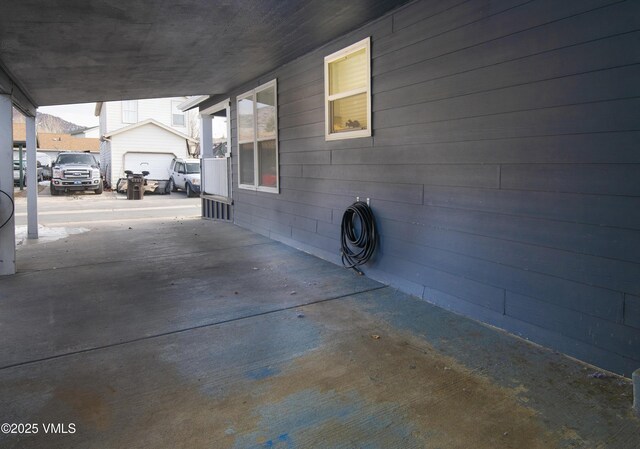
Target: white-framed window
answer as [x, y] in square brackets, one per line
[178, 118]
[257, 114]
[347, 92]
[130, 111]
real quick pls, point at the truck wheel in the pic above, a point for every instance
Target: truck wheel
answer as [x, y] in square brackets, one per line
[98, 191]
[189, 190]
[172, 185]
[54, 191]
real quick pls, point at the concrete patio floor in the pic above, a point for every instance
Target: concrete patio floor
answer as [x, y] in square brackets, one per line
[198, 334]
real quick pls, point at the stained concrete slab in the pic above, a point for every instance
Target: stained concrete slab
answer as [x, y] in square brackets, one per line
[154, 280]
[106, 342]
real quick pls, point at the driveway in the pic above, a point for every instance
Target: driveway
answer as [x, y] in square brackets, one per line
[87, 208]
[178, 332]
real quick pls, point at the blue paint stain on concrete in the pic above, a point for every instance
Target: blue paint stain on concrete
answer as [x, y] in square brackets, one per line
[318, 415]
[241, 350]
[262, 373]
[282, 442]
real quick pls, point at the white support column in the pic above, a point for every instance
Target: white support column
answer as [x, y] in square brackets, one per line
[206, 148]
[206, 139]
[32, 180]
[8, 231]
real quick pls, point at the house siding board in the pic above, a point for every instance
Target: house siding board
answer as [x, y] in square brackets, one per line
[314, 92]
[529, 46]
[419, 12]
[333, 201]
[542, 24]
[256, 215]
[113, 116]
[632, 311]
[602, 85]
[448, 16]
[565, 293]
[291, 170]
[292, 120]
[608, 242]
[285, 207]
[257, 225]
[158, 109]
[503, 166]
[316, 240]
[599, 210]
[302, 131]
[304, 84]
[601, 272]
[105, 160]
[621, 148]
[620, 339]
[468, 290]
[579, 349]
[435, 82]
[592, 179]
[306, 158]
[456, 175]
[606, 116]
[409, 193]
[319, 144]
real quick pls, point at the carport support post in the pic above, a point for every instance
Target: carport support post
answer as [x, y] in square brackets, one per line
[206, 139]
[32, 177]
[8, 231]
[206, 148]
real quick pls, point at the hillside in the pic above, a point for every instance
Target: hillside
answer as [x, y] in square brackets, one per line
[47, 123]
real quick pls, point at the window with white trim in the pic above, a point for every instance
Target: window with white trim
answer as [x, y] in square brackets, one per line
[178, 118]
[130, 111]
[347, 92]
[257, 114]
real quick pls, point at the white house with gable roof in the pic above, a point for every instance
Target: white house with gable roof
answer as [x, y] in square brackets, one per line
[142, 135]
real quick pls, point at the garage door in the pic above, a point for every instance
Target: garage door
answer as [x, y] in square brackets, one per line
[157, 164]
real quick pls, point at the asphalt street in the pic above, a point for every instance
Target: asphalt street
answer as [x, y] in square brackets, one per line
[87, 209]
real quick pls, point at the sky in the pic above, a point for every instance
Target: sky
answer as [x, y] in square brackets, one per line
[83, 114]
[80, 114]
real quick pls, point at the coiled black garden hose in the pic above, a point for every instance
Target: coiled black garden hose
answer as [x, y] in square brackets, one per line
[358, 238]
[12, 209]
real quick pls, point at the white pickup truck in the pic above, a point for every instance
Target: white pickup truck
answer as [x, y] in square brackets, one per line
[75, 171]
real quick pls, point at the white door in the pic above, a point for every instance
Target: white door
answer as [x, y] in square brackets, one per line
[157, 164]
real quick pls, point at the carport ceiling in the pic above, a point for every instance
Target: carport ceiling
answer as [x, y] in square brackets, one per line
[76, 51]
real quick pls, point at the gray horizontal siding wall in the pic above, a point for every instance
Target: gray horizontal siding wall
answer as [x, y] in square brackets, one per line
[504, 166]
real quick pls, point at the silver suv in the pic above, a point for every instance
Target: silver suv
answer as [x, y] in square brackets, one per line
[75, 171]
[185, 174]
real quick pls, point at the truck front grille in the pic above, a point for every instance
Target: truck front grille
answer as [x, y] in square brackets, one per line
[79, 173]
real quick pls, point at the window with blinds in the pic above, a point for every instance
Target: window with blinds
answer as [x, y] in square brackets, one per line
[348, 92]
[258, 139]
[130, 111]
[177, 116]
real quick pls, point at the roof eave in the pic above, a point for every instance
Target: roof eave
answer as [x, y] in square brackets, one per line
[193, 102]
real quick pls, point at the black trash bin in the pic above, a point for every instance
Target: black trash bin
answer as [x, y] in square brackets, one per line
[135, 186]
